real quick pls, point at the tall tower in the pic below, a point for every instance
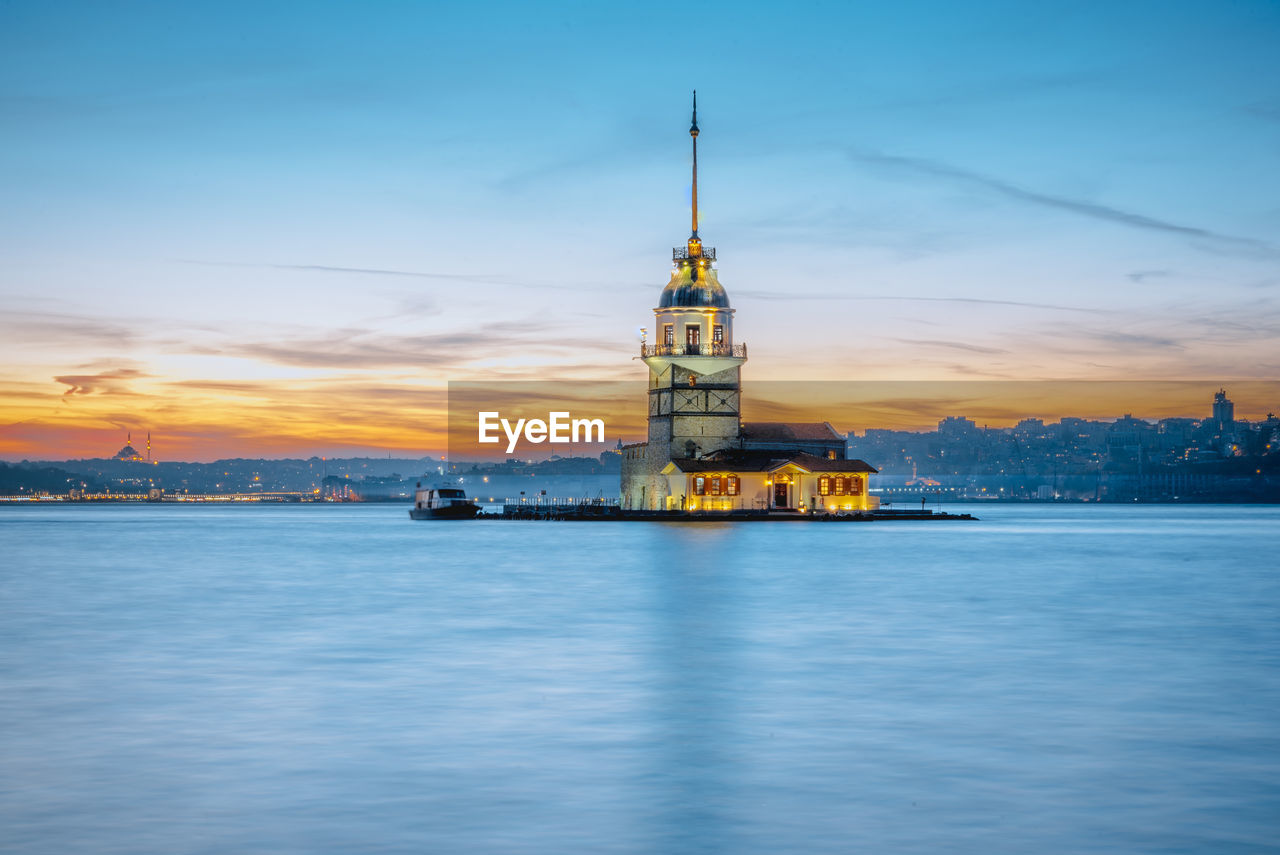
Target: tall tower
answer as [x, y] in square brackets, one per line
[695, 385]
[1224, 411]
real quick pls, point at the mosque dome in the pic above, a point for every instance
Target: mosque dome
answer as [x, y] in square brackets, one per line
[686, 291]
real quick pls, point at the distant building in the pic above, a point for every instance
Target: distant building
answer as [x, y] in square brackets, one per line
[1030, 428]
[957, 426]
[129, 452]
[1224, 412]
[699, 455]
[337, 489]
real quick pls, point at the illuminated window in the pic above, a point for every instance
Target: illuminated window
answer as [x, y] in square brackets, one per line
[840, 485]
[716, 485]
[692, 334]
[668, 334]
[717, 334]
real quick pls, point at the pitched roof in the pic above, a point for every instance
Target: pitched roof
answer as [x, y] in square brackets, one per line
[812, 463]
[767, 461]
[789, 432]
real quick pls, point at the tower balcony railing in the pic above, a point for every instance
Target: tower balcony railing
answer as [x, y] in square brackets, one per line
[735, 350]
[681, 253]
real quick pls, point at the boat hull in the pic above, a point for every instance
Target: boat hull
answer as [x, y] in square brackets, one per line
[466, 511]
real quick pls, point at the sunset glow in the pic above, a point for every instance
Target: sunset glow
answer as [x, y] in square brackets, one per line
[279, 240]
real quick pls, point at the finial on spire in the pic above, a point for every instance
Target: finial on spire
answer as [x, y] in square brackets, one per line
[695, 245]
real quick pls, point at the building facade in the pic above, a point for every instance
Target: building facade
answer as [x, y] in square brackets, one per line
[699, 456]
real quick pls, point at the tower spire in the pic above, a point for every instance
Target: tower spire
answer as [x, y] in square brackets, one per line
[693, 132]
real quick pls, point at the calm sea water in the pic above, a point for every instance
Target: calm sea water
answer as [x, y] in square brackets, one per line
[341, 679]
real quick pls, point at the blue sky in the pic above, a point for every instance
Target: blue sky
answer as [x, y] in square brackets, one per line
[199, 197]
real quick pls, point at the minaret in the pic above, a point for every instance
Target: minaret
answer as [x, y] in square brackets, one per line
[694, 366]
[148, 446]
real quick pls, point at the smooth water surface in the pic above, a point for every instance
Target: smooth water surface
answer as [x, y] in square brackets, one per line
[336, 679]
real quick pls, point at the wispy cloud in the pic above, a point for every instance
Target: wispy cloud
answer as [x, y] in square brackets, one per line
[1208, 239]
[324, 392]
[443, 276]
[984, 374]
[1094, 342]
[1143, 275]
[1138, 340]
[65, 328]
[1255, 320]
[952, 345]
[327, 268]
[977, 301]
[103, 383]
[365, 348]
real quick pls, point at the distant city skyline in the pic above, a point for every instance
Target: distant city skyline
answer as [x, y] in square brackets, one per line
[255, 232]
[853, 408]
[1215, 458]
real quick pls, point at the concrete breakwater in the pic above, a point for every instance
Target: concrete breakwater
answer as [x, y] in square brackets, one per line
[596, 509]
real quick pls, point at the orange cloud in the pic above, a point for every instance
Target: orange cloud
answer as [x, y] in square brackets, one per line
[104, 382]
[206, 420]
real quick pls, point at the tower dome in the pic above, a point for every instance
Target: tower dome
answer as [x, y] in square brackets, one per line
[692, 286]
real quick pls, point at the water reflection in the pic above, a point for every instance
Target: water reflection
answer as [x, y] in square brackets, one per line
[696, 654]
[340, 679]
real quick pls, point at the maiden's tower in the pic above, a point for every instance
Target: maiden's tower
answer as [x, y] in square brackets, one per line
[699, 456]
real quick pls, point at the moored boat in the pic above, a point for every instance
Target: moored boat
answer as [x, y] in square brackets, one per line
[442, 503]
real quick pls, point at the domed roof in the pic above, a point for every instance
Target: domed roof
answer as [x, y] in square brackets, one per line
[683, 291]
